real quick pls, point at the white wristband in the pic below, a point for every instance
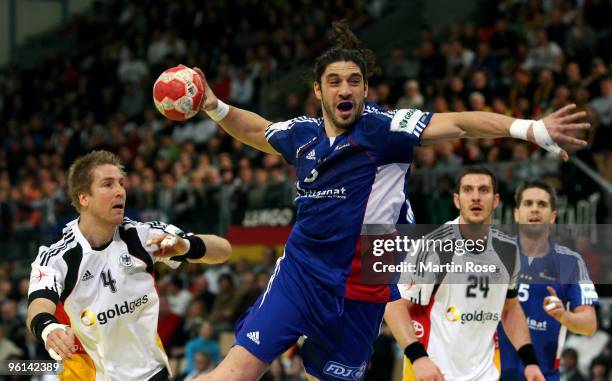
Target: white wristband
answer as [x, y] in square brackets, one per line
[542, 137]
[219, 112]
[519, 128]
[45, 333]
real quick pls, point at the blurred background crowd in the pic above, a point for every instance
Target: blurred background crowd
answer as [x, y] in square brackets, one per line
[92, 90]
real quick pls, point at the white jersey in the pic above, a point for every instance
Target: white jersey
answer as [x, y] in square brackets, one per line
[457, 308]
[109, 299]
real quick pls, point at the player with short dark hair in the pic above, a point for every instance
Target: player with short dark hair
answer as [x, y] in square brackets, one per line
[352, 166]
[554, 286]
[92, 297]
[452, 317]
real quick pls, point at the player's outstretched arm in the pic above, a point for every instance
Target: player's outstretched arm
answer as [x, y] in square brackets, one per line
[246, 126]
[58, 338]
[210, 249]
[548, 133]
[515, 326]
[398, 319]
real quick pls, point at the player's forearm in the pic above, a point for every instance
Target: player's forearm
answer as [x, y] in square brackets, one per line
[218, 250]
[248, 127]
[580, 322]
[468, 124]
[38, 306]
[515, 323]
[397, 317]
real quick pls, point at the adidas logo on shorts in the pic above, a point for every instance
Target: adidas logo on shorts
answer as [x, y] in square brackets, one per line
[311, 155]
[87, 276]
[254, 336]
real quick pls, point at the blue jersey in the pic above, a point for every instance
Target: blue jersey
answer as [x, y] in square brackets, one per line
[359, 177]
[565, 271]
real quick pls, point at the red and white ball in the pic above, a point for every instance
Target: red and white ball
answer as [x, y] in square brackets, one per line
[178, 93]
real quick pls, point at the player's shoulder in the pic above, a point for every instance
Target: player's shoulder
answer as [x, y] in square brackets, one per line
[129, 224]
[503, 242]
[68, 241]
[410, 120]
[567, 255]
[502, 236]
[445, 231]
[374, 112]
[298, 124]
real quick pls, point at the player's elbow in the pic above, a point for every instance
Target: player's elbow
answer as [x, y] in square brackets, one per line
[591, 327]
[224, 251]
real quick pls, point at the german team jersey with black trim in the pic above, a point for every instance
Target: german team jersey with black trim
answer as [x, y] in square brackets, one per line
[455, 314]
[109, 299]
[359, 177]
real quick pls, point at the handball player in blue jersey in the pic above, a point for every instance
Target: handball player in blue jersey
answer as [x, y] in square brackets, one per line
[352, 168]
[554, 287]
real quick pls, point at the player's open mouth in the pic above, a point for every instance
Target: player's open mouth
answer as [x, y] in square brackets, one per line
[345, 107]
[118, 207]
[535, 220]
[476, 208]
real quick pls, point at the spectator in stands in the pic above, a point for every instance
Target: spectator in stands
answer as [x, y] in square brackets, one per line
[223, 311]
[8, 349]
[206, 343]
[412, 97]
[168, 325]
[602, 105]
[599, 369]
[15, 328]
[569, 366]
[545, 54]
[200, 291]
[132, 70]
[202, 365]
[178, 297]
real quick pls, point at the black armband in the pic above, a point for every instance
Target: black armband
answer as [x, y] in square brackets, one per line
[528, 355]
[197, 249]
[40, 321]
[415, 351]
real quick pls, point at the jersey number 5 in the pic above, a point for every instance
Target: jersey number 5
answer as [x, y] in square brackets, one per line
[523, 292]
[108, 280]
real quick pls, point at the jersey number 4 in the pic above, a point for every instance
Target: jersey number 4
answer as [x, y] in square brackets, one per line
[109, 281]
[480, 283]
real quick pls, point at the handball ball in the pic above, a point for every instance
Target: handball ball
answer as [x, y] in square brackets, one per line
[178, 93]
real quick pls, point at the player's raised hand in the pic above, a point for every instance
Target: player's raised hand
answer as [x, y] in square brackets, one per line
[59, 342]
[209, 101]
[553, 305]
[167, 245]
[560, 126]
[425, 370]
[533, 373]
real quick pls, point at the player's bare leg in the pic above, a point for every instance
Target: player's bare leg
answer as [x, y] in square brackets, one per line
[238, 365]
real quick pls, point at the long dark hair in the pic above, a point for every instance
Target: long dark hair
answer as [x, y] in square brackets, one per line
[347, 47]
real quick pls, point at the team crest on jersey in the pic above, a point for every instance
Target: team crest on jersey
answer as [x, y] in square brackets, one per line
[125, 260]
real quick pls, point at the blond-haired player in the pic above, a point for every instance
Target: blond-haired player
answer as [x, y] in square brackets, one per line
[92, 296]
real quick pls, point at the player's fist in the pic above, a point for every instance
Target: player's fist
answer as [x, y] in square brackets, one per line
[425, 370]
[167, 245]
[533, 373]
[59, 341]
[553, 305]
[210, 99]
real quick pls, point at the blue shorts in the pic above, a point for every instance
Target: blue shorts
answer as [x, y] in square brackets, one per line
[339, 332]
